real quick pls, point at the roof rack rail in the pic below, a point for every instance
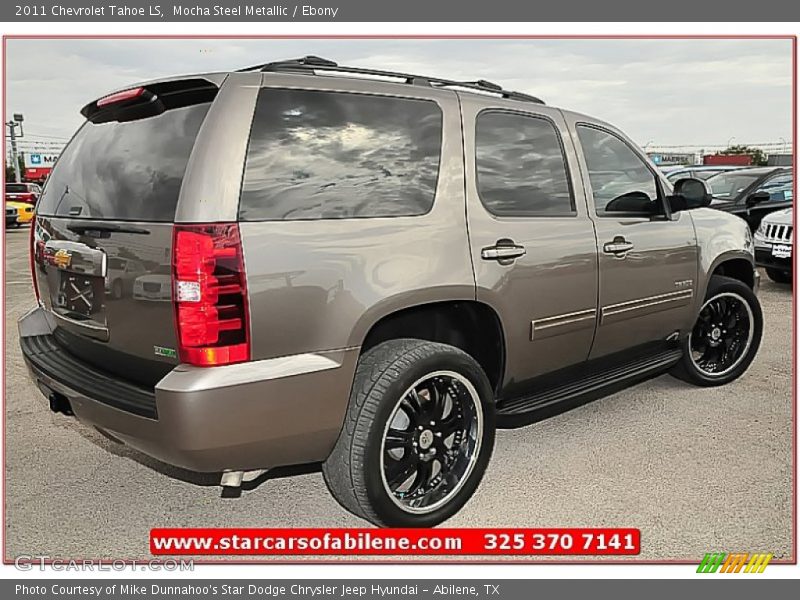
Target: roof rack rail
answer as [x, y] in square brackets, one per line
[311, 64]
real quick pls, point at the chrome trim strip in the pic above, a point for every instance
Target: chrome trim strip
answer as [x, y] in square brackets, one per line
[82, 324]
[543, 327]
[643, 303]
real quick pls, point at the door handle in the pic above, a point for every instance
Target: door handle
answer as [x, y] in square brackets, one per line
[503, 252]
[619, 246]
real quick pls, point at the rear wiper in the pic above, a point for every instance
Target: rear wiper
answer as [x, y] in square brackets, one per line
[81, 228]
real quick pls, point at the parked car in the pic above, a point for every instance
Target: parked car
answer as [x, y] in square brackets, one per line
[12, 214]
[25, 212]
[774, 241]
[752, 193]
[155, 286]
[348, 288]
[695, 172]
[120, 276]
[23, 192]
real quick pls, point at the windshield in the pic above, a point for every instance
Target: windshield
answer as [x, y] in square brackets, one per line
[728, 186]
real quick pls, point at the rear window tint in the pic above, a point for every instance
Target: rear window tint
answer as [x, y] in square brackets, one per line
[16, 188]
[333, 155]
[124, 171]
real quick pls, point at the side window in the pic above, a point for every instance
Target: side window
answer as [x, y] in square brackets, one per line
[778, 187]
[520, 166]
[334, 155]
[621, 181]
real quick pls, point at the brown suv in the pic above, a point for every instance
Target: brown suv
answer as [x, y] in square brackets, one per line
[368, 269]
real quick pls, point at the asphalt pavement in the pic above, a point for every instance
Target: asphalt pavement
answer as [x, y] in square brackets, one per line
[697, 470]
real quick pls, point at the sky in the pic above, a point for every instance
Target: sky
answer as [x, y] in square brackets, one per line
[660, 92]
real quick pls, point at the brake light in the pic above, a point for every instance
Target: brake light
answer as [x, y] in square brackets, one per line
[33, 250]
[210, 294]
[120, 96]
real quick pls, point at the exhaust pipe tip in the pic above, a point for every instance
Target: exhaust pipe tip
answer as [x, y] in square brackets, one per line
[60, 404]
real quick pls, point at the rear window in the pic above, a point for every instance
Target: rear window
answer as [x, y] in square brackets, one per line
[124, 170]
[334, 155]
[16, 188]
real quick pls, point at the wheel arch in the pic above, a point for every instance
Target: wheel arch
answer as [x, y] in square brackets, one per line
[736, 267]
[469, 325]
[738, 264]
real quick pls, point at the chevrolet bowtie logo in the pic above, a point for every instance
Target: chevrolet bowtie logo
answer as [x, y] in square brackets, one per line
[62, 259]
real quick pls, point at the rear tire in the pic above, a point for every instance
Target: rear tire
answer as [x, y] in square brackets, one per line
[725, 337]
[417, 437]
[779, 276]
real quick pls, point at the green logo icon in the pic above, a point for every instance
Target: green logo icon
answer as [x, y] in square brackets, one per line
[165, 352]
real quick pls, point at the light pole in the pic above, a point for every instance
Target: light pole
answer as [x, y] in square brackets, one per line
[13, 136]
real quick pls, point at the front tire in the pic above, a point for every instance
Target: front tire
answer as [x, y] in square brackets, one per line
[417, 437]
[725, 337]
[779, 276]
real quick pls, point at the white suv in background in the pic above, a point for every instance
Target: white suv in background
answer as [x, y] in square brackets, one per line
[773, 240]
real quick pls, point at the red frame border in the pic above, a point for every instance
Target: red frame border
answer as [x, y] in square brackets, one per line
[792, 561]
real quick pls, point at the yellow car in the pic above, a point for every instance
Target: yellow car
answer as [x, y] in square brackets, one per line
[25, 212]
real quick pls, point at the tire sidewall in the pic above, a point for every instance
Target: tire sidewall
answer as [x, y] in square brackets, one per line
[779, 276]
[382, 504]
[721, 285]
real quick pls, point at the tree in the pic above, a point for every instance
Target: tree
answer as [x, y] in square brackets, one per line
[759, 158]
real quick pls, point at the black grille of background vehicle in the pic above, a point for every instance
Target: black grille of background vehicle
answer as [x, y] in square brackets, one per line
[52, 360]
[778, 233]
[151, 286]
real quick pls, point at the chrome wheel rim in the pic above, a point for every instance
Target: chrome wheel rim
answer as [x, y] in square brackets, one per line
[431, 442]
[722, 334]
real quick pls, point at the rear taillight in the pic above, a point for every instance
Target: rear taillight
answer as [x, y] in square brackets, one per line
[33, 250]
[210, 294]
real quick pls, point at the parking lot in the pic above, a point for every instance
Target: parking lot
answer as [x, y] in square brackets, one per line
[697, 470]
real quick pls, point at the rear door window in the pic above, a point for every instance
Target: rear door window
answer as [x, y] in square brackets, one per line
[334, 155]
[130, 171]
[520, 166]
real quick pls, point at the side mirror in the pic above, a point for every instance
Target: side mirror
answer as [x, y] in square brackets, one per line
[756, 198]
[689, 193]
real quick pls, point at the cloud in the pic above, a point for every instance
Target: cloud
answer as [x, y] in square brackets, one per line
[659, 91]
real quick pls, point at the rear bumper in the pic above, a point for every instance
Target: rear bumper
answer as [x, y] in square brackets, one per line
[254, 415]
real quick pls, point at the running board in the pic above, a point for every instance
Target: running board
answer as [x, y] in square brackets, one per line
[572, 392]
